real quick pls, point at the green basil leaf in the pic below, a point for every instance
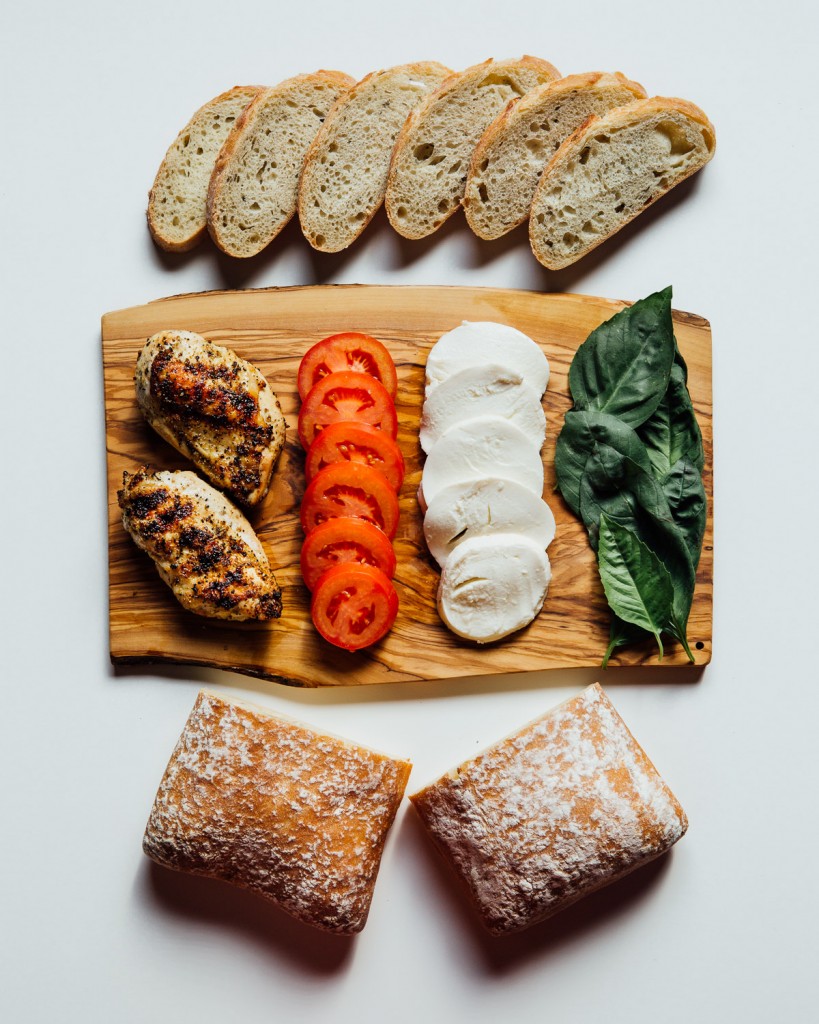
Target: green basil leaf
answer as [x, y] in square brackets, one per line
[620, 635]
[638, 586]
[685, 494]
[671, 432]
[603, 441]
[641, 507]
[679, 361]
[624, 365]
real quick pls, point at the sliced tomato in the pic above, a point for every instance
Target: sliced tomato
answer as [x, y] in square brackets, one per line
[350, 489]
[350, 351]
[342, 541]
[353, 606]
[346, 396]
[356, 442]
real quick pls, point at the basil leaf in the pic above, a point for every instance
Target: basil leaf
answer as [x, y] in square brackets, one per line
[679, 361]
[638, 586]
[672, 433]
[624, 365]
[620, 635]
[685, 494]
[600, 439]
[633, 498]
[641, 507]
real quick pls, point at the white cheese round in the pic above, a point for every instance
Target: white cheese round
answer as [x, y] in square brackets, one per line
[489, 390]
[492, 586]
[486, 447]
[476, 344]
[482, 508]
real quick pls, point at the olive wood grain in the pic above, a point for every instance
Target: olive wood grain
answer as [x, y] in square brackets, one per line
[273, 328]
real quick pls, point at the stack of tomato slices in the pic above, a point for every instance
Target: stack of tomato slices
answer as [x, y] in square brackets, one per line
[354, 470]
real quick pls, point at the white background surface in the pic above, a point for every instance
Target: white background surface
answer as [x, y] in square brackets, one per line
[723, 929]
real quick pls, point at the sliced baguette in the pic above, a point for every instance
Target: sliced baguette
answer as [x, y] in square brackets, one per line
[254, 185]
[432, 153]
[345, 171]
[517, 145]
[176, 203]
[610, 170]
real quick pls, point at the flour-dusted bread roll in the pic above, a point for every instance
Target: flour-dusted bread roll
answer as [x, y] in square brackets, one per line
[176, 204]
[345, 170]
[271, 805]
[432, 153]
[517, 145]
[254, 186]
[553, 812]
[610, 170]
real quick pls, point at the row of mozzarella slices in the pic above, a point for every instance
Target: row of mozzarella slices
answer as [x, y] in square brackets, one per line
[354, 470]
[485, 522]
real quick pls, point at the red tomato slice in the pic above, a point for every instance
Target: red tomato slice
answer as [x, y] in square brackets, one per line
[350, 351]
[356, 442]
[343, 541]
[346, 396]
[353, 606]
[350, 489]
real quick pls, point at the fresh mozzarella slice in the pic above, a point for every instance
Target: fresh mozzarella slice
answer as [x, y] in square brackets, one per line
[487, 447]
[478, 391]
[475, 344]
[482, 508]
[492, 586]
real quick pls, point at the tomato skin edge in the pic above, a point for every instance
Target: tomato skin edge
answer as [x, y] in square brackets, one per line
[336, 474]
[357, 433]
[324, 350]
[334, 575]
[354, 531]
[311, 404]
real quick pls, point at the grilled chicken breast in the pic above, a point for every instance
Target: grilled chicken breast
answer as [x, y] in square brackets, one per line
[215, 408]
[202, 545]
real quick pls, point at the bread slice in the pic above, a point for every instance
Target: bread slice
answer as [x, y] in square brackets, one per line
[610, 170]
[345, 171]
[432, 153]
[517, 145]
[254, 185]
[176, 203]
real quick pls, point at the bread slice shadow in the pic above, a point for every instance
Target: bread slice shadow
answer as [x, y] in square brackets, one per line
[289, 252]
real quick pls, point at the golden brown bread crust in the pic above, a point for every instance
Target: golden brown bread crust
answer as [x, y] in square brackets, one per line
[552, 813]
[228, 151]
[519, 108]
[342, 104]
[616, 119]
[449, 85]
[273, 806]
[162, 239]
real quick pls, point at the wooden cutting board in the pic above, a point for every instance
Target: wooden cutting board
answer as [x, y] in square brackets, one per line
[273, 328]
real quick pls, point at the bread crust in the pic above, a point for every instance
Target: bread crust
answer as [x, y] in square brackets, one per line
[161, 239]
[552, 813]
[337, 112]
[521, 107]
[450, 85]
[271, 805]
[222, 168]
[617, 119]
